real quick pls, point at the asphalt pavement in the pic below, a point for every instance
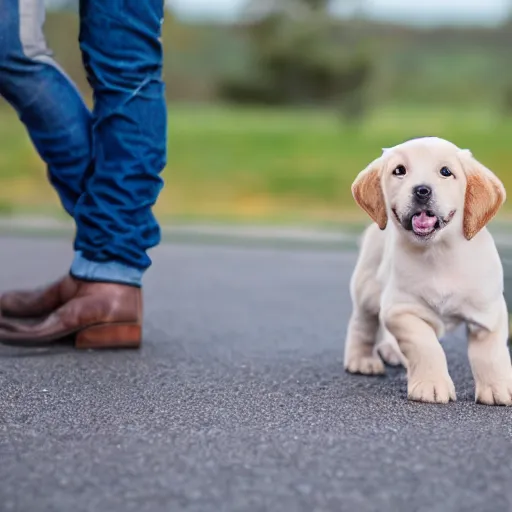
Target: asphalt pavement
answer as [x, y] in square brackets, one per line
[236, 402]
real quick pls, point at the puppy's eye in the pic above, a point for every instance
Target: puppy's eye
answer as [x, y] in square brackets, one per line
[399, 171]
[445, 172]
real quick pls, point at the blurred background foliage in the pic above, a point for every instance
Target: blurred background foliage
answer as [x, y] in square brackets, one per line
[272, 117]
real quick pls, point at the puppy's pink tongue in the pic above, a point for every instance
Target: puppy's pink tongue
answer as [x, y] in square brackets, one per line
[423, 223]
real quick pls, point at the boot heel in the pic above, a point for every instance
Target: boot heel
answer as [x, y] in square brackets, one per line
[109, 336]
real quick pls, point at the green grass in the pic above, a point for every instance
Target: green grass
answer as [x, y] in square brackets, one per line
[257, 165]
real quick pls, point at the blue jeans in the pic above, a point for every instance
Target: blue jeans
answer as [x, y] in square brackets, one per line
[105, 165]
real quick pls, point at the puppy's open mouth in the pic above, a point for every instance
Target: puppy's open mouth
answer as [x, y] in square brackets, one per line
[424, 222]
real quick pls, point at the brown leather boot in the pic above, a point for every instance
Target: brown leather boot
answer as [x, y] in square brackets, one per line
[39, 302]
[99, 315]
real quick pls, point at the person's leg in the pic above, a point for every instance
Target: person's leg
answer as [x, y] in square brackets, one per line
[101, 300]
[57, 120]
[120, 41]
[46, 100]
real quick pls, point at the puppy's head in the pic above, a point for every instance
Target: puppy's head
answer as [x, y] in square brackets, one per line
[428, 186]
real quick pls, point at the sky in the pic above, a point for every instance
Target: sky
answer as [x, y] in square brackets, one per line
[485, 12]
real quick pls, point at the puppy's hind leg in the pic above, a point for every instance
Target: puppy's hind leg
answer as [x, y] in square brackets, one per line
[360, 355]
[388, 349]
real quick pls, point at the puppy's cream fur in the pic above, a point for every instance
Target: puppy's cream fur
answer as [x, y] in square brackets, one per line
[408, 290]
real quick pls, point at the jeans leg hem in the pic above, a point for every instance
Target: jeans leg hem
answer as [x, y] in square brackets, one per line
[105, 272]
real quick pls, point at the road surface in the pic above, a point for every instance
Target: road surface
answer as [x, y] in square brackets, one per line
[237, 402]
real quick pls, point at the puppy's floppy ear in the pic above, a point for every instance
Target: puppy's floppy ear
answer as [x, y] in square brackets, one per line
[485, 194]
[367, 192]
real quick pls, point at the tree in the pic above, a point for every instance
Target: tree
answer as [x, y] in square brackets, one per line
[298, 60]
[257, 9]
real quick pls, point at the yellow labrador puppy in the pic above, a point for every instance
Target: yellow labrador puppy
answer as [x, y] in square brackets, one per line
[427, 264]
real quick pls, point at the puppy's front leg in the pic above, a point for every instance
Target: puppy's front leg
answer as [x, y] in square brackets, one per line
[490, 362]
[360, 356]
[428, 379]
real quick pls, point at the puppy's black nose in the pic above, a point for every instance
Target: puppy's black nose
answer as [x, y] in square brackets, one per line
[422, 193]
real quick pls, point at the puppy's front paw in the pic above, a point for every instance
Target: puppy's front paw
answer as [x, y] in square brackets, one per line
[497, 393]
[367, 365]
[436, 392]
